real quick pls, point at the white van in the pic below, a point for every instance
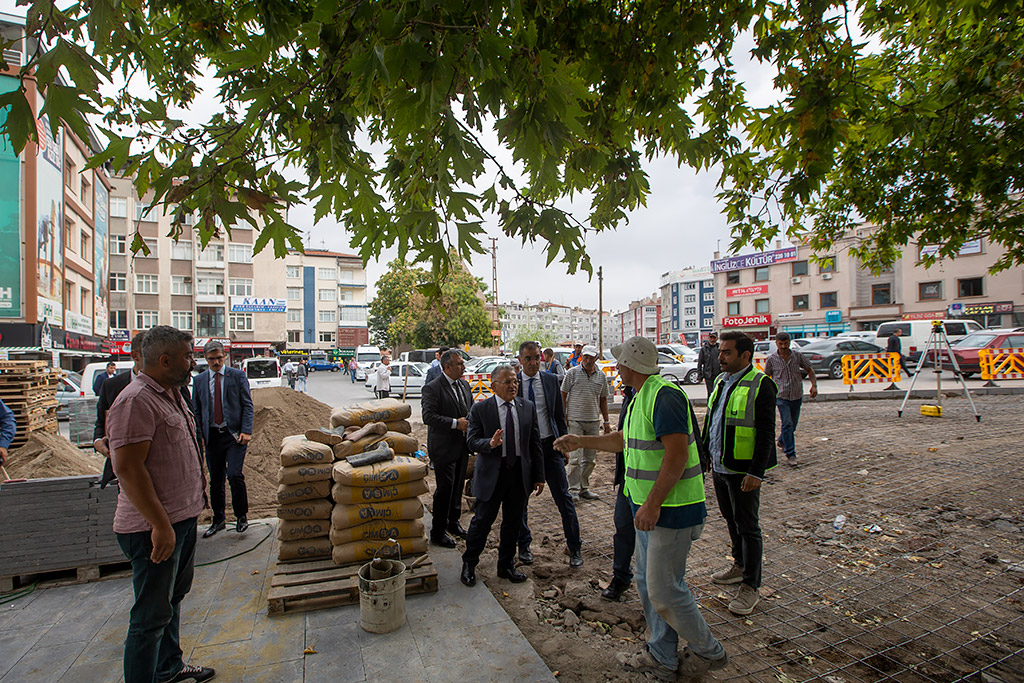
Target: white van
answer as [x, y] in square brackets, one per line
[93, 369]
[262, 372]
[367, 356]
[915, 334]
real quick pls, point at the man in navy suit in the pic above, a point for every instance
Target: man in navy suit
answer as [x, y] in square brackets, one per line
[504, 434]
[543, 390]
[223, 408]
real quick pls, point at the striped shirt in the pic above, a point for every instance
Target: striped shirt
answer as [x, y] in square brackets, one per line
[584, 393]
[786, 373]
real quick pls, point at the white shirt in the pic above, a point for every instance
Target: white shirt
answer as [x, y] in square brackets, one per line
[213, 383]
[543, 419]
[455, 390]
[383, 377]
[502, 411]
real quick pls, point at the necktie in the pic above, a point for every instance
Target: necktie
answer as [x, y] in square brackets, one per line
[510, 437]
[533, 396]
[218, 406]
[459, 398]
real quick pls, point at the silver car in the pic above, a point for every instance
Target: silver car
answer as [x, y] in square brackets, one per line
[678, 372]
[405, 377]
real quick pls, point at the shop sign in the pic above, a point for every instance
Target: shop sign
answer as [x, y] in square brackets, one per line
[199, 342]
[255, 304]
[764, 258]
[747, 320]
[79, 343]
[120, 335]
[746, 291]
[981, 309]
[969, 247]
[74, 322]
[924, 315]
[787, 316]
[121, 348]
[293, 352]
[833, 316]
[353, 336]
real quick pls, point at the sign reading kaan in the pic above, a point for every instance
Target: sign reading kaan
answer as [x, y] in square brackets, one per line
[255, 304]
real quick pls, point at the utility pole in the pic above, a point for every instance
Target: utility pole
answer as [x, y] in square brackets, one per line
[494, 289]
[600, 311]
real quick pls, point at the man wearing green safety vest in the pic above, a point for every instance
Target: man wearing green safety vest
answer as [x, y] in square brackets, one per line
[740, 431]
[665, 487]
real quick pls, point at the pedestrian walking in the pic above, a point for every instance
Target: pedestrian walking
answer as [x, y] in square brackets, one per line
[552, 365]
[708, 365]
[382, 377]
[352, 367]
[895, 345]
[289, 374]
[784, 367]
[301, 372]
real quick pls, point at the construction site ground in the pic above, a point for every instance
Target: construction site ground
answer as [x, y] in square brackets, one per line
[924, 582]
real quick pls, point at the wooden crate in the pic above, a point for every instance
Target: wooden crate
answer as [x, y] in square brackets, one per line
[319, 584]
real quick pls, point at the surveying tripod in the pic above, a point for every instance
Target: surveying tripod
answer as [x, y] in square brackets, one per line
[938, 342]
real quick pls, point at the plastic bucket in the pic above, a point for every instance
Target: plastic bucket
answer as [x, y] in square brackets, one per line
[382, 600]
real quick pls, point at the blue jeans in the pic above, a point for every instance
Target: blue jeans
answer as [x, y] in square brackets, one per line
[152, 651]
[669, 607]
[352, 373]
[558, 485]
[300, 383]
[624, 539]
[789, 412]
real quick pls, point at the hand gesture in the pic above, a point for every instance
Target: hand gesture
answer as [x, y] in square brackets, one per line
[567, 444]
[496, 440]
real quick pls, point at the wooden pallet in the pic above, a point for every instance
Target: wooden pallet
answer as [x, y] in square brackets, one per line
[319, 584]
[64, 577]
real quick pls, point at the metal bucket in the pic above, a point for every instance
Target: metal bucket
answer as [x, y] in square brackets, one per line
[382, 600]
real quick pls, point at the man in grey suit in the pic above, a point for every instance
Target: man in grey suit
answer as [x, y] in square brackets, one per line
[223, 409]
[504, 434]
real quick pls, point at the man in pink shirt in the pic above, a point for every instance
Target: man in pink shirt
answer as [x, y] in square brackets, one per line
[155, 454]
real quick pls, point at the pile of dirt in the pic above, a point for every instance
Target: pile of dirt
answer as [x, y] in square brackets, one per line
[47, 455]
[278, 412]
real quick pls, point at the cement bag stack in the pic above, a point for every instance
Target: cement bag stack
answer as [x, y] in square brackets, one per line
[304, 499]
[376, 502]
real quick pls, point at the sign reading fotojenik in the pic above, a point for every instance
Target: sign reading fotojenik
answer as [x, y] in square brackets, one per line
[255, 304]
[747, 320]
[764, 258]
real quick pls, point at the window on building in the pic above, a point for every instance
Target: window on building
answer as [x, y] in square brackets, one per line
[119, 207]
[327, 316]
[828, 300]
[827, 264]
[182, 320]
[210, 286]
[709, 296]
[762, 274]
[85, 192]
[801, 302]
[691, 323]
[238, 286]
[353, 314]
[294, 336]
[709, 310]
[240, 253]
[326, 337]
[146, 284]
[86, 251]
[118, 245]
[970, 286]
[799, 268]
[85, 302]
[69, 232]
[150, 243]
[762, 306]
[344, 295]
[346, 275]
[689, 298]
[118, 282]
[732, 278]
[142, 215]
[241, 322]
[181, 284]
[214, 253]
[881, 294]
[327, 295]
[690, 310]
[146, 319]
[327, 274]
[733, 307]
[929, 291]
[182, 250]
[294, 315]
[69, 173]
[295, 294]
[689, 285]
[292, 271]
[119, 320]
[210, 322]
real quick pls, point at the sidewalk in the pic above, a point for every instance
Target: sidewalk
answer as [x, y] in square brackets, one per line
[76, 633]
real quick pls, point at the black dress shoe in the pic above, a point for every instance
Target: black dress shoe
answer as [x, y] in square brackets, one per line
[241, 525]
[513, 575]
[468, 576]
[196, 674]
[214, 528]
[457, 531]
[525, 556]
[615, 589]
[444, 540]
[575, 559]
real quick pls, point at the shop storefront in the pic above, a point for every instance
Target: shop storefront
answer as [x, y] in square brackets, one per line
[757, 326]
[67, 350]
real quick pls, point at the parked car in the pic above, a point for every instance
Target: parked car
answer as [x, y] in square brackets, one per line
[262, 372]
[428, 355]
[915, 334]
[400, 371]
[677, 372]
[863, 335]
[322, 365]
[367, 356]
[92, 369]
[967, 351]
[68, 392]
[826, 355]
[486, 365]
[679, 351]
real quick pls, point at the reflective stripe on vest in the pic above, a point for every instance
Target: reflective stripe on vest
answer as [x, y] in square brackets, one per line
[644, 454]
[738, 415]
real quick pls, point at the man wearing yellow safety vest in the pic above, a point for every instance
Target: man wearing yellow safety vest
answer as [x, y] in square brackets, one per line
[665, 487]
[740, 431]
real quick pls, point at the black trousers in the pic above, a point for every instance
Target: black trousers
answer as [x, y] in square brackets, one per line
[449, 480]
[558, 485]
[709, 382]
[224, 458]
[511, 498]
[740, 512]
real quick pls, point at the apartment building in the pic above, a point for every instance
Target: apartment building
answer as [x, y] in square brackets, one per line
[641, 319]
[326, 295]
[688, 305]
[565, 323]
[784, 289]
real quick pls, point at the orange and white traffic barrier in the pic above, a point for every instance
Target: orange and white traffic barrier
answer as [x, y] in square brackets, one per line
[1001, 364]
[868, 368]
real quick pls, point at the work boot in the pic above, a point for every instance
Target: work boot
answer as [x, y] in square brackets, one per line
[691, 664]
[615, 590]
[733, 574]
[643, 662]
[746, 599]
[587, 494]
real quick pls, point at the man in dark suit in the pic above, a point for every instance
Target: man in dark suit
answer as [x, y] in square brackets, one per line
[223, 409]
[446, 401]
[101, 377]
[503, 433]
[543, 390]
